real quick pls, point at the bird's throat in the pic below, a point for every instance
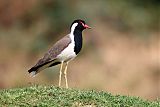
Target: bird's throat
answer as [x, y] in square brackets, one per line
[77, 40]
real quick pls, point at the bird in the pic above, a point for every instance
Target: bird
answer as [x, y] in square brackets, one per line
[63, 51]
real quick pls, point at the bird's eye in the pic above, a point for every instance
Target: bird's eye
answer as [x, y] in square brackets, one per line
[82, 23]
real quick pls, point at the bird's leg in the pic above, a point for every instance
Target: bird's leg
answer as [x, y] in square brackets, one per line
[60, 74]
[65, 75]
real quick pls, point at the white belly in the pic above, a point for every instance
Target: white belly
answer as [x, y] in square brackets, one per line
[67, 54]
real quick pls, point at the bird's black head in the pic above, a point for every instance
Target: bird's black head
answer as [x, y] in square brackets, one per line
[79, 25]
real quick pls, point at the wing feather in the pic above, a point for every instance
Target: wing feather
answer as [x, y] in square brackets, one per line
[51, 55]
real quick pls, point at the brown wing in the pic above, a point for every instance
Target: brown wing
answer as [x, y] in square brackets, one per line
[51, 55]
[58, 47]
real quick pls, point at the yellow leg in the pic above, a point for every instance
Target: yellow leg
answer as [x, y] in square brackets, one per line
[60, 74]
[65, 75]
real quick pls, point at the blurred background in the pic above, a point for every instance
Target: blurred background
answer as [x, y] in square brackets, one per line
[120, 55]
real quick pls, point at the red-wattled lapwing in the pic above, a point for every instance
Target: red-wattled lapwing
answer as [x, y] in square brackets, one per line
[62, 51]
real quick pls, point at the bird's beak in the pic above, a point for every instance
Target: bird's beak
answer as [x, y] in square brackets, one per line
[86, 26]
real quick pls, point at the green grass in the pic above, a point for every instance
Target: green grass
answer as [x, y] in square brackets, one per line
[61, 97]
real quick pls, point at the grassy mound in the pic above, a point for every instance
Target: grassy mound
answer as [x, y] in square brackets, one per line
[61, 97]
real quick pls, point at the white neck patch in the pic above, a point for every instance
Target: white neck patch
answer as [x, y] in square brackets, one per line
[72, 31]
[73, 27]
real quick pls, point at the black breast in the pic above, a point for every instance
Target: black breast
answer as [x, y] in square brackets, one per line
[78, 41]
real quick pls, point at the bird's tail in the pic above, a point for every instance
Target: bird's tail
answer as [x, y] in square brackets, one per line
[37, 68]
[33, 71]
[33, 74]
